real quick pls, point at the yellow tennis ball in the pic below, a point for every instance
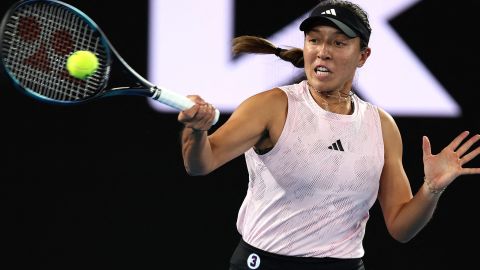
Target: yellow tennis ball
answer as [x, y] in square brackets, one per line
[82, 64]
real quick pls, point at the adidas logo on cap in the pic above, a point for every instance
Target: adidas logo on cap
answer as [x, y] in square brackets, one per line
[330, 11]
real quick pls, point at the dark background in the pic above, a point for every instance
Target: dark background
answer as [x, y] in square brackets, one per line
[103, 185]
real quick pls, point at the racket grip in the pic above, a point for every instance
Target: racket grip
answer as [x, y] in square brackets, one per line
[177, 101]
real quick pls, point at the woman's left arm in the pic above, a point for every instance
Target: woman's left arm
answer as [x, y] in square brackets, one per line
[405, 215]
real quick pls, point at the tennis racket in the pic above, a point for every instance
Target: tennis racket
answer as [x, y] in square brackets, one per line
[38, 36]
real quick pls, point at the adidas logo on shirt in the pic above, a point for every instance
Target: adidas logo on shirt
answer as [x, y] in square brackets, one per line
[337, 146]
[330, 11]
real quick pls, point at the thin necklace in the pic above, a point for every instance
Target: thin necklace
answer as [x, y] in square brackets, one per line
[342, 98]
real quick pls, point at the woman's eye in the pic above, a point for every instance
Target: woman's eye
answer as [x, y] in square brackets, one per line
[339, 43]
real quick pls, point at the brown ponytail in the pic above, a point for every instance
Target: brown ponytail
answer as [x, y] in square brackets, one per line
[253, 44]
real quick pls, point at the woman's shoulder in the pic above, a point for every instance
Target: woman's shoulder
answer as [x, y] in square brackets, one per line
[276, 94]
[274, 99]
[385, 116]
[296, 87]
[390, 129]
[387, 121]
[382, 113]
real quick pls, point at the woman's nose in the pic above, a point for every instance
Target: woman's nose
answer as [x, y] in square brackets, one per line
[323, 52]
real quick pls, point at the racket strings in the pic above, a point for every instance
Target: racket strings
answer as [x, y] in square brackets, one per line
[38, 39]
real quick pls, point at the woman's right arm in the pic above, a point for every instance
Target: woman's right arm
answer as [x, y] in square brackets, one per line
[203, 153]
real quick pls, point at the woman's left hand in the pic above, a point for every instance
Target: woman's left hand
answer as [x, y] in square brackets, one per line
[441, 169]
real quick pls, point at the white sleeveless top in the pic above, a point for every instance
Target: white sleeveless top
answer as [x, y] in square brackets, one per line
[311, 194]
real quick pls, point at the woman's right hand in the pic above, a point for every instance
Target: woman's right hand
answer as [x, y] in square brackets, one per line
[199, 117]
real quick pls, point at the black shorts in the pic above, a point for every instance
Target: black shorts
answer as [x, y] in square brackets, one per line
[247, 257]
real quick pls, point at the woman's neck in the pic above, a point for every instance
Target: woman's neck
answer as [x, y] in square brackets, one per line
[335, 101]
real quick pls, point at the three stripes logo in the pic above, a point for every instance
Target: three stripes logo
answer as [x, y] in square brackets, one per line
[330, 11]
[337, 146]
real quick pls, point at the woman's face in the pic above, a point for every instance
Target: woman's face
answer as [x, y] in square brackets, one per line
[331, 58]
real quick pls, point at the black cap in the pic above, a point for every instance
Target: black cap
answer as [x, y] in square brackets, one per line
[343, 18]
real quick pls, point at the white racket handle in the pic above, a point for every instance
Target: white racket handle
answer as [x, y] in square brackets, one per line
[177, 101]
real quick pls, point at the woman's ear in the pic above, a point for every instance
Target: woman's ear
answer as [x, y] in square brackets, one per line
[364, 56]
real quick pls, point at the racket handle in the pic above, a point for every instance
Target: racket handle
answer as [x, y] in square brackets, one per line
[177, 101]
